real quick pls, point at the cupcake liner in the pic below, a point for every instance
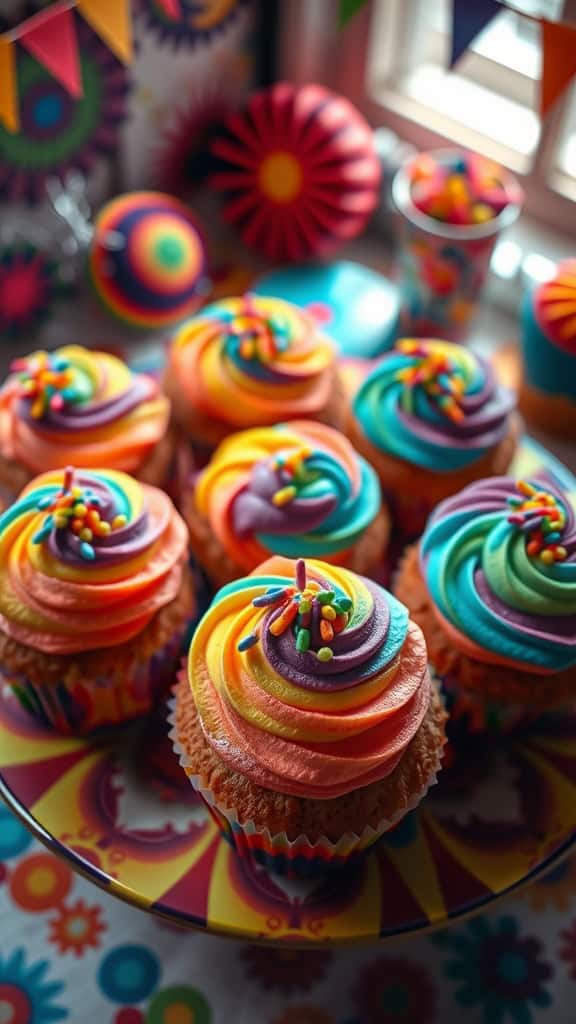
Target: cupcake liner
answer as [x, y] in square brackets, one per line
[298, 857]
[78, 705]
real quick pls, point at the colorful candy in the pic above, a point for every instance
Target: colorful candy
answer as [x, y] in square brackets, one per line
[436, 373]
[48, 380]
[292, 465]
[466, 190]
[257, 337]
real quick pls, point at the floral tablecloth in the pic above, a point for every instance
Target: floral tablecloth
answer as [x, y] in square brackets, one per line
[69, 952]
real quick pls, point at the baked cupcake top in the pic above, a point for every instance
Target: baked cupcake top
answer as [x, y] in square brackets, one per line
[499, 561]
[555, 306]
[308, 679]
[295, 489]
[86, 560]
[434, 404]
[81, 406]
[252, 361]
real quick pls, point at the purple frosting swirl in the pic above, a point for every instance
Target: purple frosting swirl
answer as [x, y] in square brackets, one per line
[254, 512]
[372, 639]
[122, 544]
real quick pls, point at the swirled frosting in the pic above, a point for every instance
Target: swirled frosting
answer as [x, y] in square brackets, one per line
[252, 361]
[308, 679]
[499, 561]
[434, 404]
[87, 561]
[295, 489]
[81, 406]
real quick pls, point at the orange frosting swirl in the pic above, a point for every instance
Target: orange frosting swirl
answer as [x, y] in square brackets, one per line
[253, 361]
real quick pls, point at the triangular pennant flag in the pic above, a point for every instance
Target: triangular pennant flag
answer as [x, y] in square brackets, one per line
[469, 17]
[348, 8]
[558, 62]
[110, 19]
[8, 95]
[50, 37]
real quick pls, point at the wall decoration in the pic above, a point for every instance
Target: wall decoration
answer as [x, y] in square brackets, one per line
[147, 259]
[299, 171]
[181, 158]
[50, 36]
[57, 131]
[186, 23]
[29, 285]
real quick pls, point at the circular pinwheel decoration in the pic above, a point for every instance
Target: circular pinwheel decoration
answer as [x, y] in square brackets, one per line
[147, 261]
[29, 285]
[298, 171]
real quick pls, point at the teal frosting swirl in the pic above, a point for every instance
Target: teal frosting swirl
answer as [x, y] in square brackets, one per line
[438, 406]
[486, 581]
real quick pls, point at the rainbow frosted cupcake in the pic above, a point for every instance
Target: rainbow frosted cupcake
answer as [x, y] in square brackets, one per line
[492, 584]
[306, 718]
[548, 391]
[79, 406]
[96, 599]
[295, 489]
[431, 418]
[250, 362]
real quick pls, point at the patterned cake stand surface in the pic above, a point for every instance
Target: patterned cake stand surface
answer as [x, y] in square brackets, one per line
[120, 813]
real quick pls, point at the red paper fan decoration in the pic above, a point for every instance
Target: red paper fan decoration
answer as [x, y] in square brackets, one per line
[298, 170]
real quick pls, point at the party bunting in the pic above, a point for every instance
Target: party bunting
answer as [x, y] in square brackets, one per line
[558, 62]
[469, 18]
[50, 37]
[8, 99]
[110, 19]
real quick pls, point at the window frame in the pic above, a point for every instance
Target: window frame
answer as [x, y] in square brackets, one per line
[339, 59]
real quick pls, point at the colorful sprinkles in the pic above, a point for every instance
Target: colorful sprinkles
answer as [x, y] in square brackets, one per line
[256, 336]
[46, 379]
[540, 515]
[76, 509]
[292, 471]
[437, 374]
[316, 616]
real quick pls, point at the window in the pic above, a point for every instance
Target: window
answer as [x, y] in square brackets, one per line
[565, 167]
[392, 62]
[488, 102]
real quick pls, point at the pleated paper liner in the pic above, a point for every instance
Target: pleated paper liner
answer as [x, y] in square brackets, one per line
[298, 857]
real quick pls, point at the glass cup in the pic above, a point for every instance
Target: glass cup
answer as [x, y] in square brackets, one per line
[442, 267]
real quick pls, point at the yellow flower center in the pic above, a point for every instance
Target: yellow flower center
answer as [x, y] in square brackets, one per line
[280, 177]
